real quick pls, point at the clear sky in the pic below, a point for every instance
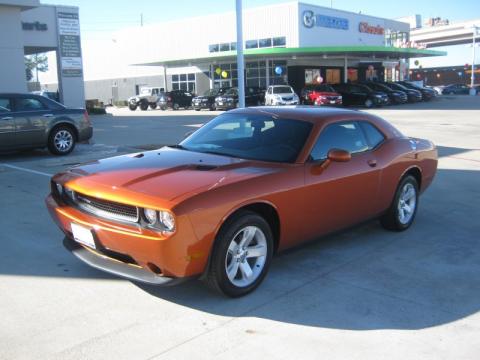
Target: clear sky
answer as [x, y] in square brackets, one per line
[99, 19]
[100, 16]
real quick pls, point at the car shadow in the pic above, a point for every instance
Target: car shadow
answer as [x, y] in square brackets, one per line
[364, 278]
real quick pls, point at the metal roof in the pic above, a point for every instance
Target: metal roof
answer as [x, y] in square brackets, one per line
[378, 52]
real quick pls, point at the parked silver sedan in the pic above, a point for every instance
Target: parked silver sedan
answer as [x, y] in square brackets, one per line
[32, 121]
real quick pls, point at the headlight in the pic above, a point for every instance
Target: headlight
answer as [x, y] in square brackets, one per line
[59, 189]
[277, 97]
[150, 216]
[70, 193]
[378, 96]
[161, 220]
[167, 221]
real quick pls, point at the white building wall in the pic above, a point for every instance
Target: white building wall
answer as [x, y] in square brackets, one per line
[324, 36]
[12, 69]
[190, 38]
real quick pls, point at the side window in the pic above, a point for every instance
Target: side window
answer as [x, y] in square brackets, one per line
[344, 135]
[5, 104]
[374, 136]
[269, 90]
[28, 104]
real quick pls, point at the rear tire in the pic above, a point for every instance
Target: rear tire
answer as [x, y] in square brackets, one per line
[153, 106]
[175, 106]
[402, 211]
[61, 140]
[241, 255]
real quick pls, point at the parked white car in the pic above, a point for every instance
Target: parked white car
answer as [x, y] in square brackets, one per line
[281, 95]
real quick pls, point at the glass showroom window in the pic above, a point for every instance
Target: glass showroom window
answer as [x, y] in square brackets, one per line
[183, 82]
[213, 48]
[251, 44]
[265, 43]
[256, 74]
[224, 75]
[279, 41]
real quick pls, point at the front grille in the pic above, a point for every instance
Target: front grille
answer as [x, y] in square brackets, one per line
[331, 98]
[107, 209]
[289, 98]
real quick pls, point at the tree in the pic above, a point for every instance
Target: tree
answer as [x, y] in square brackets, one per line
[35, 63]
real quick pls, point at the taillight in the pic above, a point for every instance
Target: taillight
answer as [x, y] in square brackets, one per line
[87, 118]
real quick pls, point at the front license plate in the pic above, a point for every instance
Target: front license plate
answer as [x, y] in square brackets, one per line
[83, 235]
[220, 103]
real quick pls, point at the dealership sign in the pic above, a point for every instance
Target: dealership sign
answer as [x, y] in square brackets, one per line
[69, 44]
[310, 19]
[38, 26]
[365, 27]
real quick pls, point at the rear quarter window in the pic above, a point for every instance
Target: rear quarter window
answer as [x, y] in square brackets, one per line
[373, 135]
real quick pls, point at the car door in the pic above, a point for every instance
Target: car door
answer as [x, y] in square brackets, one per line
[7, 124]
[31, 120]
[340, 194]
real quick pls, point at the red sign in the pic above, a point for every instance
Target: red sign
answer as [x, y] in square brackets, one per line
[365, 27]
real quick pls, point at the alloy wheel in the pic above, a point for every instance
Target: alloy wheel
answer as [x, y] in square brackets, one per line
[407, 203]
[63, 140]
[246, 256]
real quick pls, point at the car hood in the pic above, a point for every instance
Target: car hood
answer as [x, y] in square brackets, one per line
[161, 178]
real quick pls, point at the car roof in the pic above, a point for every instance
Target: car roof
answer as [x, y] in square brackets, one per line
[18, 94]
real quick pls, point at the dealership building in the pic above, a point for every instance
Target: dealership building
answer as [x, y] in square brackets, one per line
[28, 28]
[294, 43]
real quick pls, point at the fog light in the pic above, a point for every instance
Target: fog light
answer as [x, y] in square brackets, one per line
[150, 216]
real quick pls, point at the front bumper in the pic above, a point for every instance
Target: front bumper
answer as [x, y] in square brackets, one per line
[132, 251]
[285, 102]
[201, 105]
[118, 268]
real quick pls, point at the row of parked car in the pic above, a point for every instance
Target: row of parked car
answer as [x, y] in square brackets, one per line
[366, 94]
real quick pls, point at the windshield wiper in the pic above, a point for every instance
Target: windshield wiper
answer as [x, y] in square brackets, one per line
[220, 153]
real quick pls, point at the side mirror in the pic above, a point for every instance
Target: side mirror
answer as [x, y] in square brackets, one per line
[339, 155]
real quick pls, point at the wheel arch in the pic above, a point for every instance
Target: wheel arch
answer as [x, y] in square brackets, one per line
[264, 209]
[416, 172]
[63, 123]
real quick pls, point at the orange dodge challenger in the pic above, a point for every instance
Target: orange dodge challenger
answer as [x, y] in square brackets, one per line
[247, 184]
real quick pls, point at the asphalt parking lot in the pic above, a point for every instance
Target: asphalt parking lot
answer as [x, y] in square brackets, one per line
[362, 294]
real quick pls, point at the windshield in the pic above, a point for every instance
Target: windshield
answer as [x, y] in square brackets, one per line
[254, 137]
[145, 91]
[282, 90]
[211, 92]
[232, 91]
[324, 88]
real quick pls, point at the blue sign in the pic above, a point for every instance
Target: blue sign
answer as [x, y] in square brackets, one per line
[310, 19]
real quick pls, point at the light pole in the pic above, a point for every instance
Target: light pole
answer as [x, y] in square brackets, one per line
[240, 63]
[472, 79]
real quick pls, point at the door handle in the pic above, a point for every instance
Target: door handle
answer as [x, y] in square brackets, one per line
[7, 118]
[372, 163]
[48, 115]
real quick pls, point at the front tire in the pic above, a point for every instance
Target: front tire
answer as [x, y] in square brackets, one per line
[368, 103]
[175, 106]
[132, 107]
[61, 141]
[241, 255]
[402, 211]
[153, 106]
[144, 106]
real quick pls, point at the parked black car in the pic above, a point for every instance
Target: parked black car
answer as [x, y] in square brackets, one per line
[413, 95]
[29, 121]
[175, 99]
[207, 100]
[254, 96]
[456, 89]
[427, 94]
[359, 94]
[395, 96]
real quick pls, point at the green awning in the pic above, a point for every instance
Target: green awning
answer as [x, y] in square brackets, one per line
[377, 52]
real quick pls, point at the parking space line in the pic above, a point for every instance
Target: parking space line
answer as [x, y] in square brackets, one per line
[26, 170]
